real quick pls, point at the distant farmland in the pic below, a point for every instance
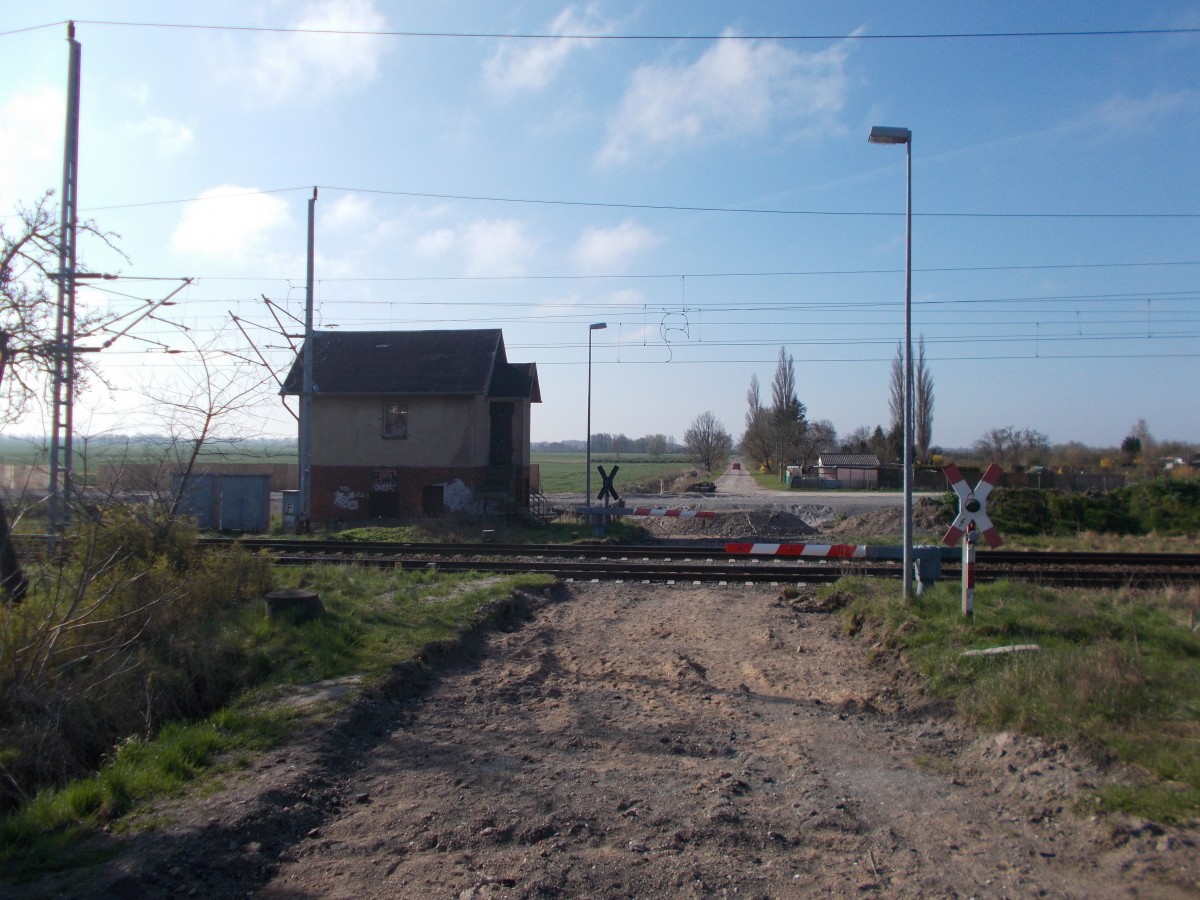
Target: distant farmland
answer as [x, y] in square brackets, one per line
[564, 473]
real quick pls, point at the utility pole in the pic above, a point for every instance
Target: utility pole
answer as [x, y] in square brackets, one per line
[306, 389]
[63, 415]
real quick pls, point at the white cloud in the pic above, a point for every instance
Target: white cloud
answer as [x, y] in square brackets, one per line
[169, 138]
[1124, 115]
[435, 243]
[31, 146]
[290, 66]
[350, 211]
[495, 247]
[231, 223]
[483, 247]
[610, 250]
[736, 87]
[532, 65]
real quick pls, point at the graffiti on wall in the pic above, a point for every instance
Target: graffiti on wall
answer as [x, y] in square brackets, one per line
[458, 497]
[347, 498]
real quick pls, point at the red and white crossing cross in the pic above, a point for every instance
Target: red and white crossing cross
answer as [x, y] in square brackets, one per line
[972, 506]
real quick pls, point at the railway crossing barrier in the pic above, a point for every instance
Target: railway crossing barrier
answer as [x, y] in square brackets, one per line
[928, 560]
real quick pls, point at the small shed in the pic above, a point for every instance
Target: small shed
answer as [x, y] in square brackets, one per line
[851, 470]
[226, 502]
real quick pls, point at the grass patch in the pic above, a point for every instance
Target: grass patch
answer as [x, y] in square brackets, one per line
[375, 620]
[563, 473]
[50, 832]
[1118, 674]
[568, 530]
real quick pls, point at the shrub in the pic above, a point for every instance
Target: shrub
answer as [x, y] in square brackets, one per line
[1106, 513]
[129, 630]
[1166, 505]
[1020, 510]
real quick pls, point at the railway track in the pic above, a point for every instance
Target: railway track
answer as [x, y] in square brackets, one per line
[686, 563]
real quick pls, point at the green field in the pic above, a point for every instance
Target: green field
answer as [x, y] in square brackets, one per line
[92, 452]
[564, 472]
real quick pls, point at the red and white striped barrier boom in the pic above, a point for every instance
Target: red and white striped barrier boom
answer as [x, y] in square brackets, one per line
[829, 551]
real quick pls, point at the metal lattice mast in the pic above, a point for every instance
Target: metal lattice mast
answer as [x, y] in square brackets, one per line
[63, 413]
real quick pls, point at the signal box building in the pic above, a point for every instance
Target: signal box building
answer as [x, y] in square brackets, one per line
[411, 423]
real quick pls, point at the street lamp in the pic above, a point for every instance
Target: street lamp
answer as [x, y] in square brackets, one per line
[883, 134]
[595, 326]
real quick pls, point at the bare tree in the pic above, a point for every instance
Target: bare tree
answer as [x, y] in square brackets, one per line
[756, 440]
[708, 442]
[201, 409]
[922, 436]
[1016, 447]
[896, 390]
[656, 445]
[818, 437]
[788, 414]
[28, 304]
[922, 403]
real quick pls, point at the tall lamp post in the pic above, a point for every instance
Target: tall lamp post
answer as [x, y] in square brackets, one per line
[884, 134]
[595, 326]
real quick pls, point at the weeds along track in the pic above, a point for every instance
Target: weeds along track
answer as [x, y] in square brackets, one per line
[711, 563]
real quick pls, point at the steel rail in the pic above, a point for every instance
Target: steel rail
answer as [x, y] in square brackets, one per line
[1012, 558]
[745, 571]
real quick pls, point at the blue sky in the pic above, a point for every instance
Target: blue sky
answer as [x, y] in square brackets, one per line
[707, 190]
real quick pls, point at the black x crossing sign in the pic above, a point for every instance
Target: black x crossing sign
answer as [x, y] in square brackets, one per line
[607, 477]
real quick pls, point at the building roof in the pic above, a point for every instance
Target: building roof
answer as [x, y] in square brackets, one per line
[450, 363]
[849, 460]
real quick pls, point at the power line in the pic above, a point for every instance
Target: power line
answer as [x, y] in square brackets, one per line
[755, 210]
[592, 36]
[648, 276]
[659, 207]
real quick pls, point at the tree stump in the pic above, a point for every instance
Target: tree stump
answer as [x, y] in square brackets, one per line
[294, 603]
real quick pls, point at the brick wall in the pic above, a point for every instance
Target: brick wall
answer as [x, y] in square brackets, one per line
[344, 492]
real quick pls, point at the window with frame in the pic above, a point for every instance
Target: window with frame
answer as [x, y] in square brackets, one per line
[395, 420]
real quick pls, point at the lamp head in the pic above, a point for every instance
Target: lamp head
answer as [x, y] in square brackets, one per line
[887, 134]
[597, 326]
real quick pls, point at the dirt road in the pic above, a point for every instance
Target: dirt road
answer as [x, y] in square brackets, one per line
[657, 741]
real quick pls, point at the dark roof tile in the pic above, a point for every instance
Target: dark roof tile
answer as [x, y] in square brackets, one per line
[413, 362]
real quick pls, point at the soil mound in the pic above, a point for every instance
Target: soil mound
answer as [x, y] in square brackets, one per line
[754, 525]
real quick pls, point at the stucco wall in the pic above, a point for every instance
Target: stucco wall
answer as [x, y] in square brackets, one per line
[442, 432]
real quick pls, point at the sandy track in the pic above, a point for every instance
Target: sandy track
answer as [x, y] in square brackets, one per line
[657, 741]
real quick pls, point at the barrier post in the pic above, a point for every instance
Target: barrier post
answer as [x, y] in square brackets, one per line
[968, 572]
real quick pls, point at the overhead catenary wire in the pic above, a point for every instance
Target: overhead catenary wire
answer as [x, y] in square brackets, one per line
[657, 207]
[597, 35]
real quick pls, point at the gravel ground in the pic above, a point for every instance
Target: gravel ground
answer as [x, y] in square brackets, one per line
[613, 740]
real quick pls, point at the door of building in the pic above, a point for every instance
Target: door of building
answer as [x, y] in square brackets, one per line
[500, 452]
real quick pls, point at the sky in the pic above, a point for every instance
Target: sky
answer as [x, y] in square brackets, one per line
[696, 175]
